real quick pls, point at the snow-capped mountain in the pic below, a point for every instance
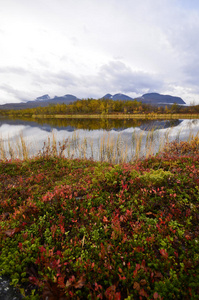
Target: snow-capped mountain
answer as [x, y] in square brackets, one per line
[45, 100]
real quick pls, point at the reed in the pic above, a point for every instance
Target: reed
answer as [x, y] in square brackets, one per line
[83, 148]
[54, 145]
[24, 147]
[137, 139]
[73, 148]
[19, 150]
[150, 140]
[161, 143]
[10, 149]
[102, 148]
[108, 147]
[2, 150]
[91, 147]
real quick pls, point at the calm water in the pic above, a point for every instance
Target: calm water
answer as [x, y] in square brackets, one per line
[90, 137]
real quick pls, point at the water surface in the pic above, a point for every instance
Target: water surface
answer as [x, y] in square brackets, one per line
[90, 137]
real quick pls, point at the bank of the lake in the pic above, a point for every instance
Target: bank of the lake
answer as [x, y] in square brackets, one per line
[79, 229]
[168, 116]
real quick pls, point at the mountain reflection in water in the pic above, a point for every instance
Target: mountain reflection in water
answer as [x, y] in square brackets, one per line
[97, 138]
[92, 124]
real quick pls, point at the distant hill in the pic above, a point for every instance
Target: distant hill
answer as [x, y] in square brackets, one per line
[155, 98]
[45, 100]
[64, 99]
[117, 97]
[150, 98]
[156, 124]
[42, 101]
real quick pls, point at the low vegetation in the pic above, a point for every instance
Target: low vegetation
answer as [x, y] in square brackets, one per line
[80, 229]
[104, 107]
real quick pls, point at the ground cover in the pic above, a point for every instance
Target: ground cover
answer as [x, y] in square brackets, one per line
[79, 229]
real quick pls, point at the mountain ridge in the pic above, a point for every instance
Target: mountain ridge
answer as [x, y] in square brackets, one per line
[45, 100]
[149, 98]
[161, 98]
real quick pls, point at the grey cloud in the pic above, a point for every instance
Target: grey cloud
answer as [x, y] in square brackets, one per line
[54, 83]
[191, 74]
[66, 79]
[182, 35]
[14, 70]
[153, 45]
[15, 93]
[112, 77]
[60, 79]
[124, 79]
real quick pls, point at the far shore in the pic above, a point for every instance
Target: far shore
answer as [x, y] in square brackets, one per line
[109, 116]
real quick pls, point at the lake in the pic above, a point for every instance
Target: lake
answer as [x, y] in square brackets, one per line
[115, 140]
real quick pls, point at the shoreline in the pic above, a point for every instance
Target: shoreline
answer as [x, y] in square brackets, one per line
[109, 116]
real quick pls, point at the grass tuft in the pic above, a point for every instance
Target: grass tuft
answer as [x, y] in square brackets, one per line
[108, 148]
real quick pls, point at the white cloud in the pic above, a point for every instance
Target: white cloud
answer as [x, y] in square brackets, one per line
[92, 47]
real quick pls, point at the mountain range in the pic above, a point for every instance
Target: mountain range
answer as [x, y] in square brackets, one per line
[150, 98]
[45, 100]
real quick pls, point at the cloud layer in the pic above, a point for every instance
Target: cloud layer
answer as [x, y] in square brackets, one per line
[89, 48]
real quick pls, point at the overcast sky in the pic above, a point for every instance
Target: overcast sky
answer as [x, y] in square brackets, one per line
[92, 47]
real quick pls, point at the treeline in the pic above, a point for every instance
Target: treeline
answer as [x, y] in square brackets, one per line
[87, 123]
[102, 106]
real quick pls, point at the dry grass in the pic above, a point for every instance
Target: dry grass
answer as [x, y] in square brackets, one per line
[108, 147]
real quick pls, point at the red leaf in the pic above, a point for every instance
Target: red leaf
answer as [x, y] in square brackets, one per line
[68, 283]
[61, 282]
[110, 292]
[164, 253]
[117, 296]
[136, 286]
[143, 293]
[143, 282]
[10, 232]
[158, 275]
[97, 286]
[34, 280]
[137, 267]
[105, 220]
[155, 295]
[80, 283]
[120, 270]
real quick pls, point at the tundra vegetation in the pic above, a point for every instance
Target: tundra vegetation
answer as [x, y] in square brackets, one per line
[104, 107]
[81, 229]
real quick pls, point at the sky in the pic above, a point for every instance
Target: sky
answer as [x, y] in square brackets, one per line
[89, 48]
